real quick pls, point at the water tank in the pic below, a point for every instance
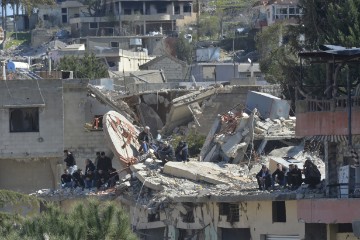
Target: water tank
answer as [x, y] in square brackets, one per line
[12, 66]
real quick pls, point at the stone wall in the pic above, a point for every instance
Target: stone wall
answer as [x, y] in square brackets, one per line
[173, 70]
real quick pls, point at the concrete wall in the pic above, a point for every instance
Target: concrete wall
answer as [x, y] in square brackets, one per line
[329, 210]
[254, 215]
[29, 159]
[78, 110]
[173, 69]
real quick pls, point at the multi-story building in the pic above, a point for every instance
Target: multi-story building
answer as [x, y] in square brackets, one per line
[327, 111]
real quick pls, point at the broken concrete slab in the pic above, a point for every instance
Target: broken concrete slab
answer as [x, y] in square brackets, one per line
[201, 171]
[151, 183]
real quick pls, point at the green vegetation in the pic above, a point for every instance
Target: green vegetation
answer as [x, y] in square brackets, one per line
[87, 220]
[17, 39]
[88, 66]
[194, 141]
[184, 49]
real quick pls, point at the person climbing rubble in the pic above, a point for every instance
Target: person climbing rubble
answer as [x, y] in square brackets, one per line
[312, 173]
[264, 178]
[166, 153]
[279, 176]
[144, 139]
[181, 152]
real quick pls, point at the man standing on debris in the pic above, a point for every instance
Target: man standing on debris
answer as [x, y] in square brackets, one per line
[278, 176]
[166, 154]
[312, 174]
[181, 152]
[144, 139]
[69, 160]
[264, 178]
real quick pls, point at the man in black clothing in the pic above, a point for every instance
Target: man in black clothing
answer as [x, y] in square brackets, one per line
[78, 179]
[167, 153]
[278, 176]
[296, 177]
[102, 179]
[264, 178]
[66, 180]
[181, 152]
[104, 163]
[113, 177]
[89, 174]
[144, 139]
[69, 159]
[312, 174]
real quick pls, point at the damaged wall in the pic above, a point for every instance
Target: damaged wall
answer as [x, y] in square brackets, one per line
[253, 215]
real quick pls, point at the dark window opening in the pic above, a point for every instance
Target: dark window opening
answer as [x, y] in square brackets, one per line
[97, 122]
[177, 9]
[231, 211]
[24, 119]
[64, 10]
[127, 11]
[189, 216]
[153, 217]
[114, 44]
[93, 25]
[64, 18]
[187, 8]
[46, 17]
[345, 228]
[278, 211]
[161, 9]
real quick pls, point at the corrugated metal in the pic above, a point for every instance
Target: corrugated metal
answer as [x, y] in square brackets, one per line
[329, 138]
[282, 237]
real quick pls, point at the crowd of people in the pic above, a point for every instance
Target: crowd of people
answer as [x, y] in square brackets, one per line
[291, 177]
[100, 174]
[163, 150]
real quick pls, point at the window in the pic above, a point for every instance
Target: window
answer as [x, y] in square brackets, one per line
[153, 217]
[188, 217]
[64, 18]
[161, 9]
[187, 8]
[278, 211]
[231, 211]
[345, 228]
[177, 9]
[24, 119]
[127, 11]
[46, 17]
[64, 10]
[93, 25]
[114, 44]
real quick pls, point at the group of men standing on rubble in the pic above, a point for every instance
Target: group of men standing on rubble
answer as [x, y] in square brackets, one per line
[163, 150]
[292, 177]
[100, 174]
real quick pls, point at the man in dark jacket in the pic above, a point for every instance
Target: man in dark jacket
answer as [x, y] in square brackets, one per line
[296, 177]
[66, 180]
[89, 174]
[167, 153]
[113, 177]
[144, 139]
[78, 179]
[69, 159]
[312, 174]
[279, 175]
[264, 178]
[181, 152]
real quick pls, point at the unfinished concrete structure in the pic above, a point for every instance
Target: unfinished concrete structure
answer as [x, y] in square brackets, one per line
[329, 117]
[41, 118]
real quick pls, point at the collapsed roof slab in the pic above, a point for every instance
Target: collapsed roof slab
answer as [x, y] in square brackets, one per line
[203, 171]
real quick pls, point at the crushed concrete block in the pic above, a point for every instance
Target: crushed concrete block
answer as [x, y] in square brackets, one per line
[151, 183]
[258, 130]
[181, 208]
[137, 167]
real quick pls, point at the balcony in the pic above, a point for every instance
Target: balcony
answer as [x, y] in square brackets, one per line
[132, 18]
[326, 117]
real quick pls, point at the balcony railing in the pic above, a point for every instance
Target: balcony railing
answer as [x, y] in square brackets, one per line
[336, 104]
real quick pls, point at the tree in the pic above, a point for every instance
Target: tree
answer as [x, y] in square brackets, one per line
[95, 8]
[183, 49]
[90, 220]
[88, 66]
